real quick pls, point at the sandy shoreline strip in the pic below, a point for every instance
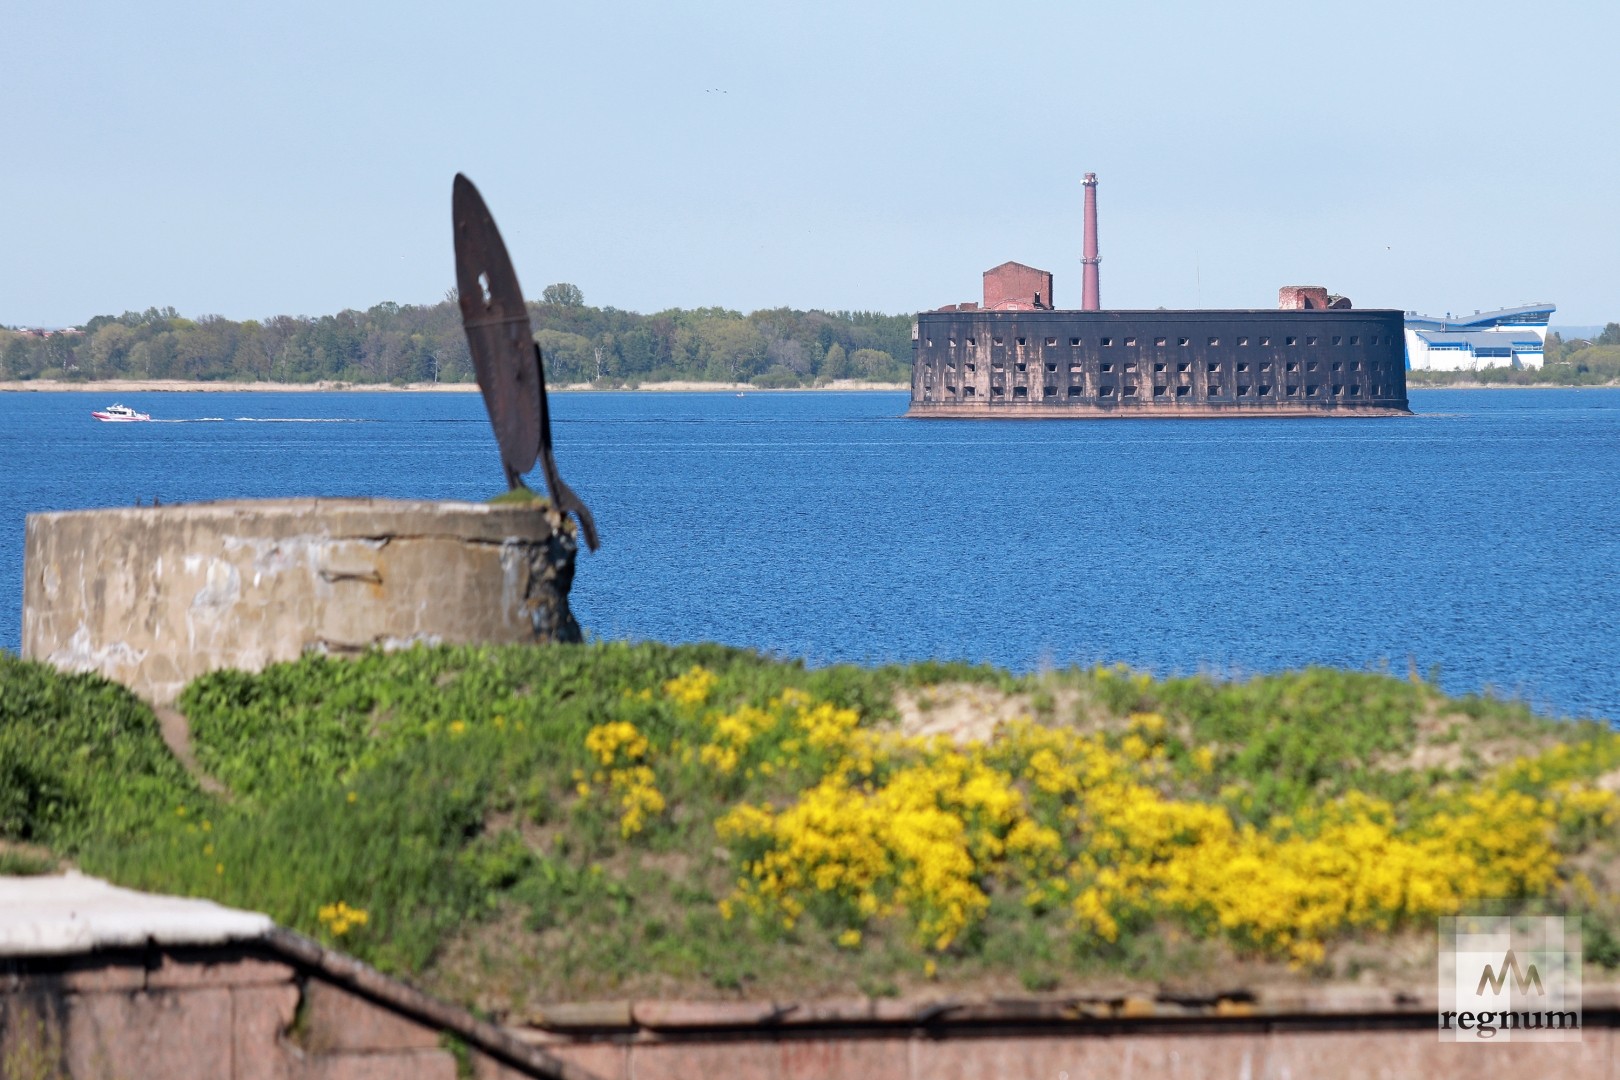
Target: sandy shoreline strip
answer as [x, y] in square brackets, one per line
[147, 386]
[1508, 386]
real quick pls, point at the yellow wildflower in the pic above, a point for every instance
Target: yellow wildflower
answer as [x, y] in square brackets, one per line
[340, 918]
[692, 688]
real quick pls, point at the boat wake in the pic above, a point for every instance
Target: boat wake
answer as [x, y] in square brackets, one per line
[267, 420]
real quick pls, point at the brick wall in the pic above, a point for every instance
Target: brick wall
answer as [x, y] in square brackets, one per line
[1302, 298]
[1016, 287]
[236, 1014]
[201, 1015]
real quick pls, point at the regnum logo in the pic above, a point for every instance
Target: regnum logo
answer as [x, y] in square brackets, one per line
[1510, 978]
[1524, 981]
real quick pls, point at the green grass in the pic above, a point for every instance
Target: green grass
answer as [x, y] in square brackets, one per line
[15, 863]
[80, 760]
[434, 789]
[519, 496]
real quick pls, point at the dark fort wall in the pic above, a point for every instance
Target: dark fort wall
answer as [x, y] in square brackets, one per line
[1158, 363]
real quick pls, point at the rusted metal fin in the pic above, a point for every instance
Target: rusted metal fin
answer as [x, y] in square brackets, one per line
[511, 372]
[497, 326]
[562, 496]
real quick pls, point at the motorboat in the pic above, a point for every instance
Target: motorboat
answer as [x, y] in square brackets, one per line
[120, 414]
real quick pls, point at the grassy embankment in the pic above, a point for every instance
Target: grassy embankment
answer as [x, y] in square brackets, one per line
[522, 825]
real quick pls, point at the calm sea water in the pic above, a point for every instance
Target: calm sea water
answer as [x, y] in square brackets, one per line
[1480, 538]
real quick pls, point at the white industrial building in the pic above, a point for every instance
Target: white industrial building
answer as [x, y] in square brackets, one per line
[1511, 337]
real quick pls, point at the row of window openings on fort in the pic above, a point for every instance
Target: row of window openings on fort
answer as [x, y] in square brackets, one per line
[1163, 392]
[1130, 342]
[1183, 366]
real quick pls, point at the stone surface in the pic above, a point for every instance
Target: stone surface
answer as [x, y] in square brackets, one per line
[70, 914]
[603, 1060]
[1122, 1057]
[337, 1021]
[871, 1058]
[261, 1016]
[1364, 1049]
[216, 968]
[182, 1035]
[703, 1014]
[583, 1016]
[1092, 364]
[154, 597]
[1395, 1055]
[107, 973]
[411, 1065]
[742, 1059]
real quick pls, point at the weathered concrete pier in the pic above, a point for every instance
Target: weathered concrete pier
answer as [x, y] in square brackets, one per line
[155, 596]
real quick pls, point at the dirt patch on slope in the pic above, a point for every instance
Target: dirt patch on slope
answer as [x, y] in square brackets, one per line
[971, 712]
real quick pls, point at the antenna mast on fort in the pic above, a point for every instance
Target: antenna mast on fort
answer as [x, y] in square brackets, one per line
[1089, 298]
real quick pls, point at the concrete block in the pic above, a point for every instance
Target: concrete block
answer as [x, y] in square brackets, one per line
[583, 1016]
[671, 1015]
[406, 1065]
[86, 975]
[604, 1060]
[154, 597]
[740, 1059]
[1121, 1057]
[1396, 1055]
[177, 1035]
[215, 968]
[337, 1021]
[878, 1058]
[260, 1018]
[32, 1032]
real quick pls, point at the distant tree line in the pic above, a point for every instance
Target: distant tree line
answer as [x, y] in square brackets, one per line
[393, 343]
[1576, 362]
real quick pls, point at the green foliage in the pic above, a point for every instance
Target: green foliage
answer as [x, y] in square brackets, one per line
[562, 294]
[386, 842]
[323, 720]
[1302, 733]
[836, 364]
[777, 378]
[1600, 943]
[878, 365]
[1288, 738]
[394, 343]
[80, 757]
[436, 789]
[519, 496]
[14, 863]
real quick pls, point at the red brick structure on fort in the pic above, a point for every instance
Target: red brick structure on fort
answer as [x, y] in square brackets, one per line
[1310, 298]
[1012, 286]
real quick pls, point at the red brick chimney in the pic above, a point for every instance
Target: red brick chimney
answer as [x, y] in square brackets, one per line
[1089, 292]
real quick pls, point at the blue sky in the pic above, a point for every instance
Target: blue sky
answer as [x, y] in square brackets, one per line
[296, 158]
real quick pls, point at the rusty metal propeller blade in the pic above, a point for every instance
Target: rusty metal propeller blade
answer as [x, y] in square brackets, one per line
[511, 372]
[498, 334]
[562, 496]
